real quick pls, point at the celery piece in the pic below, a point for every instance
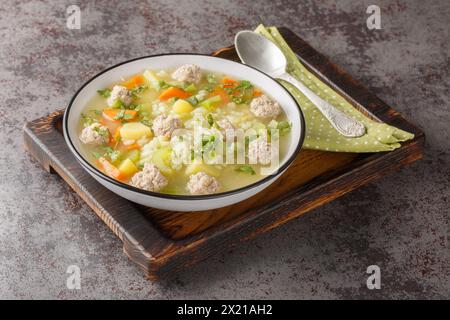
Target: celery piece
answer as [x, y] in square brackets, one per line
[191, 88]
[134, 155]
[284, 127]
[192, 100]
[210, 102]
[152, 78]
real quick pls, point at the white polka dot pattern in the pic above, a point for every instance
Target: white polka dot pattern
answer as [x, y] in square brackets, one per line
[320, 135]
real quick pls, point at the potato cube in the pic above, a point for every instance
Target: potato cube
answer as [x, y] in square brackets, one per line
[128, 168]
[182, 106]
[134, 131]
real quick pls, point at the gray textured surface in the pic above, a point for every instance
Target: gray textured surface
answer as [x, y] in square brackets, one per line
[400, 223]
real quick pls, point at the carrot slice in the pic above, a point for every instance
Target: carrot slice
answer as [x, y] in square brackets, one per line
[116, 136]
[111, 114]
[134, 81]
[257, 93]
[133, 146]
[173, 92]
[109, 169]
[228, 82]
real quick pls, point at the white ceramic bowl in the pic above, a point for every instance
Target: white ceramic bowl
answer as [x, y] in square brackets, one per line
[164, 61]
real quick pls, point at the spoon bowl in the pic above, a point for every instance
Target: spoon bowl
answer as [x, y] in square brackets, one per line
[255, 50]
[262, 54]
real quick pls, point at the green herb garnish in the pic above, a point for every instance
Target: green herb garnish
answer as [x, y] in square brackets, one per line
[97, 155]
[210, 119]
[246, 169]
[208, 139]
[101, 131]
[208, 88]
[173, 100]
[109, 152]
[136, 91]
[112, 154]
[105, 93]
[163, 85]
[122, 115]
[211, 78]
[192, 100]
[118, 104]
[244, 84]
[87, 120]
[238, 100]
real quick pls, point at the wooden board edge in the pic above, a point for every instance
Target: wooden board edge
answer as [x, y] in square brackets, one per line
[35, 136]
[255, 224]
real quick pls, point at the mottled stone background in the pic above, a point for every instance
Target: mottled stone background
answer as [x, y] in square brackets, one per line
[400, 223]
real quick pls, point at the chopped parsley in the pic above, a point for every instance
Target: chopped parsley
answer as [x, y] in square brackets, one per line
[173, 100]
[136, 91]
[112, 154]
[211, 78]
[108, 152]
[208, 88]
[238, 100]
[143, 115]
[207, 139]
[105, 93]
[97, 155]
[101, 131]
[240, 93]
[192, 100]
[122, 115]
[246, 169]
[118, 104]
[210, 119]
[244, 84]
[87, 120]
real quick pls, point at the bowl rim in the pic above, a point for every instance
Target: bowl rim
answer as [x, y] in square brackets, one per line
[100, 174]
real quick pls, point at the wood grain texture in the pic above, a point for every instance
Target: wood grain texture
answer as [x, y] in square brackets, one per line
[163, 242]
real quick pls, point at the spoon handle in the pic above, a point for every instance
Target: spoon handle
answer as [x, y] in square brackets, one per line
[343, 123]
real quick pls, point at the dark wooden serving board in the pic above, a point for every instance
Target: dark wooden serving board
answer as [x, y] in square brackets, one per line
[162, 242]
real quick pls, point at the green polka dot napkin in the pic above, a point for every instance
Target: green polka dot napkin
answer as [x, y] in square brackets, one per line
[320, 135]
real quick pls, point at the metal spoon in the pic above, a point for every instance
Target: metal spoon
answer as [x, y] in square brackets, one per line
[262, 54]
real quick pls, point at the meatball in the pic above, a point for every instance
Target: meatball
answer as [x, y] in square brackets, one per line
[265, 107]
[119, 93]
[259, 151]
[95, 134]
[188, 73]
[201, 183]
[165, 125]
[225, 125]
[150, 178]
